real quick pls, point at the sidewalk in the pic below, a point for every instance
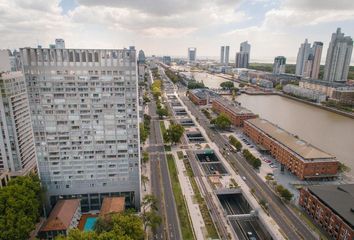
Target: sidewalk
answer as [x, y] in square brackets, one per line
[192, 205]
[268, 222]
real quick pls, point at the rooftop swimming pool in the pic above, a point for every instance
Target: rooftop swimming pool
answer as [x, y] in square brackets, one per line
[89, 224]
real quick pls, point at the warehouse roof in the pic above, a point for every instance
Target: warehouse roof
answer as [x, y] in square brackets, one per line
[339, 198]
[300, 147]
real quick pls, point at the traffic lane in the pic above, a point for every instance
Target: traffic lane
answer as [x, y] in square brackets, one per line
[279, 220]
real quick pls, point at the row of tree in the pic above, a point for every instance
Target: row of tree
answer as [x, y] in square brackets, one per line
[20, 207]
[156, 88]
[255, 162]
[283, 192]
[145, 128]
[173, 76]
[236, 143]
[194, 85]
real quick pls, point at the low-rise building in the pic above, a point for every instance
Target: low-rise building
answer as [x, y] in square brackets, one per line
[319, 85]
[202, 96]
[112, 205]
[312, 95]
[233, 111]
[344, 95]
[299, 157]
[64, 216]
[331, 207]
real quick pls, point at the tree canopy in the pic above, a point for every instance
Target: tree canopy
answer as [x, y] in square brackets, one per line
[175, 132]
[193, 85]
[20, 207]
[221, 121]
[228, 85]
[120, 226]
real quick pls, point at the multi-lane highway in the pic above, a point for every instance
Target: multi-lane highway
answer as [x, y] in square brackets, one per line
[160, 181]
[290, 224]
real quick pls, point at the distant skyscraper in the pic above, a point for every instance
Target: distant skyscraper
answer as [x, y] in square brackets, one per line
[17, 145]
[338, 57]
[243, 57]
[166, 60]
[279, 65]
[225, 55]
[302, 57]
[192, 54]
[222, 55]
[141, 57]
[309, 59]
[84, 105]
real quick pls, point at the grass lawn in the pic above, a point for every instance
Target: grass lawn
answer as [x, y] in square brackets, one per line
[186, 225]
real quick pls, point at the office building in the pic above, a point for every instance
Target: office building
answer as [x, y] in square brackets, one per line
[233, 111]
[243, 57]
[309, 59]
[331, 207]
[192, 54]
[227, 55]
[84, 105]
[141, 57]
[297, 156]
[17, 146]
[279, 65]
[338, 57]
[59, 43]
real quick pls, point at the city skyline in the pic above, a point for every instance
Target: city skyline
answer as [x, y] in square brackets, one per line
[155, 29]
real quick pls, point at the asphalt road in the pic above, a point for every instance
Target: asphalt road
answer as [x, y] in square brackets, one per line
[160, 181]
[290, 224]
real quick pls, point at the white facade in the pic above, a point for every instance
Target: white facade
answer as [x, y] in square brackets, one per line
[304, 93]
[243, 57]
[84, 105]
[338, 57]
[309, 60]
[17, 146]
[5, 63]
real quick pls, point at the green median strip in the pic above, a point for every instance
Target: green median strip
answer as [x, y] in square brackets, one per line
[210, 227]
[186, 225]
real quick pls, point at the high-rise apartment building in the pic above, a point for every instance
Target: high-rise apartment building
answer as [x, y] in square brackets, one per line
[279, 65]
[338, 57]
[84, 105]
[225, 55]
[243, 57]
[309, 60]
[192, 54]
[17, 146]
[222, 54]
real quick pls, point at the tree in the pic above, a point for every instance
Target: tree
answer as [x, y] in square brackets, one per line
[228, 85]
[162, 112]
[144, 180]
[175, 132]
[221, 121]
[234, 142]
[150, 218]
[20, 207]
[279, 87]
[193, 85]
[256, 163]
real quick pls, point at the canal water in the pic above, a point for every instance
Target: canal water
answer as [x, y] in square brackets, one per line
[329, 131]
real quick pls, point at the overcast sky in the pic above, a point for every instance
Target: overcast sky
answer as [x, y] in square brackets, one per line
[169, 27]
